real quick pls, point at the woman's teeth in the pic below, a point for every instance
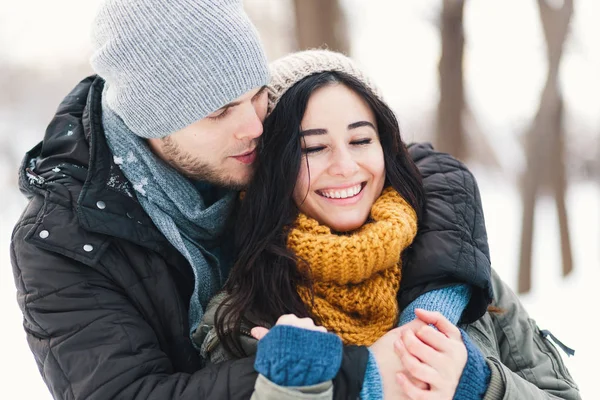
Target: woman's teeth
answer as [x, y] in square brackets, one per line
[341, 194]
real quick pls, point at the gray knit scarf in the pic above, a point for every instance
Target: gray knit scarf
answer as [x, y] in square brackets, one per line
[176, 207]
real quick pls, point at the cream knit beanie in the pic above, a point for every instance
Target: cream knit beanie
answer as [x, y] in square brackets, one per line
[291, 69]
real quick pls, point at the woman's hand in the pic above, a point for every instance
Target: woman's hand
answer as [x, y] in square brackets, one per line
[288, 319]
[436, 357]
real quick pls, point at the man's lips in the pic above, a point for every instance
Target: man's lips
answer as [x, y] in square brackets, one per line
[246, 158]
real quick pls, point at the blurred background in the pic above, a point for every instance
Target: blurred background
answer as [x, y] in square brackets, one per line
[510, 87]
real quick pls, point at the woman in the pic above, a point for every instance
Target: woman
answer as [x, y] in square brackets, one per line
[323, 226]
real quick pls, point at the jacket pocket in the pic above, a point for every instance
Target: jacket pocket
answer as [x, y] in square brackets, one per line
[548, 348]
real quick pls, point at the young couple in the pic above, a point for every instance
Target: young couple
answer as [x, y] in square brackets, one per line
[142, 272]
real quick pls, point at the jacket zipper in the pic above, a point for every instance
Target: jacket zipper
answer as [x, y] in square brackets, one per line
[216, 340]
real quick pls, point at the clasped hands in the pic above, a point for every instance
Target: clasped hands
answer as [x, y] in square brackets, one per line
[426, 362]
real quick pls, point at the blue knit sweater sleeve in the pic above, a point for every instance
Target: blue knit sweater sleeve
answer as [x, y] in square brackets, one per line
[450, 301]
[472, 385]
[290, 356]
[476, 375]
[372, 387]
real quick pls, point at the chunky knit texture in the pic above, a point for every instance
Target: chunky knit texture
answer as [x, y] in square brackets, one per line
[168, 64]
[291, 69]
[291, 356]
[356, 276]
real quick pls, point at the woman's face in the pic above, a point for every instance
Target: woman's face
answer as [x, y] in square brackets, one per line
[346, 170]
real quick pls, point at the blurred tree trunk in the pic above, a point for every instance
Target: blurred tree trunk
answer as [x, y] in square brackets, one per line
[321, 23]
[450, 133]
[545, 145]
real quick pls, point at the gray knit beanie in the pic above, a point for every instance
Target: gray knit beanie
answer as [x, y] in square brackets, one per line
[291, 69]
[170, 63]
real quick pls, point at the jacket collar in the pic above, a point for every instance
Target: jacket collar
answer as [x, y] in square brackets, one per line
[74, 167]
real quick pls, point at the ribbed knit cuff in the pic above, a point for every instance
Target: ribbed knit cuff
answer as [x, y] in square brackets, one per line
[475, 378]
[372, 388]
[290, 356]
[450, 301]
[497, 386]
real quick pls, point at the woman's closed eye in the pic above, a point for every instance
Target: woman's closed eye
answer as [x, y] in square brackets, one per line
[313, 149]
[318, 148]
[362, 141]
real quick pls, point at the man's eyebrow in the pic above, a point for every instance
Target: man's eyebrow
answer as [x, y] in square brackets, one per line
[229, 105]
[261, 91]
[310, 132]
[237, 103]
[358, 124]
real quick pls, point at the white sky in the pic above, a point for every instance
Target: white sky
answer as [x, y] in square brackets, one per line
[49, 33]
[396, 41]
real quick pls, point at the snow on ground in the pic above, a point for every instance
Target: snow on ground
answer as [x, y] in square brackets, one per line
[564, 306]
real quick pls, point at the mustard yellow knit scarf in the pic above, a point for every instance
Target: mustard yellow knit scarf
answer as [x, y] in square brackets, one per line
[356, 276]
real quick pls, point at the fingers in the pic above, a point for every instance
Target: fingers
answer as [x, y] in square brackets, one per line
[433, 338]
[413, 365]
[423, 351]
[288, 319]
[413, 325]
[411, 390]
[305, 323]
[259, 332]
[440, 322]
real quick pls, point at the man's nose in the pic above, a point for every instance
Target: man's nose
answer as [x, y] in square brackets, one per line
[252, 124]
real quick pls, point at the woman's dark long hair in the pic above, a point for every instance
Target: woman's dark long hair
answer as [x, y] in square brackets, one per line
[265, 275]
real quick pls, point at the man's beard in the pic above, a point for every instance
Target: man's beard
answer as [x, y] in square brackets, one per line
[195, 169]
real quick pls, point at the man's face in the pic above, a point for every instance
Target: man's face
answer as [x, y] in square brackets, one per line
[220, 148]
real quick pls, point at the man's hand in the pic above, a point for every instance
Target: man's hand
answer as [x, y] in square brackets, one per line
[436, 357]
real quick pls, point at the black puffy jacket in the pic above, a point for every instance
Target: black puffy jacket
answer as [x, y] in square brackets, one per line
[451, 243]
[105, 297]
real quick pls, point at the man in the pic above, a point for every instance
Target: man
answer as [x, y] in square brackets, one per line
[126, 235]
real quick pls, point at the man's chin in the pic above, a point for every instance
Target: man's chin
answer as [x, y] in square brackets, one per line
[240, 179]
[232, 182]
[233, 185]
[223, 182]
[232, 178]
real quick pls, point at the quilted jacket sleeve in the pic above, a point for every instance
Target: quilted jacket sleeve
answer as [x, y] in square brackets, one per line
[526, 365]
[451, 244]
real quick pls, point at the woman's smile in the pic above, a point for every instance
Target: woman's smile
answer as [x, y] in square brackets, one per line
[346, 192]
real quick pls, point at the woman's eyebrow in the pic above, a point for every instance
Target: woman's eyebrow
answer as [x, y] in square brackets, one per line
[310, 132]
[358, 124]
